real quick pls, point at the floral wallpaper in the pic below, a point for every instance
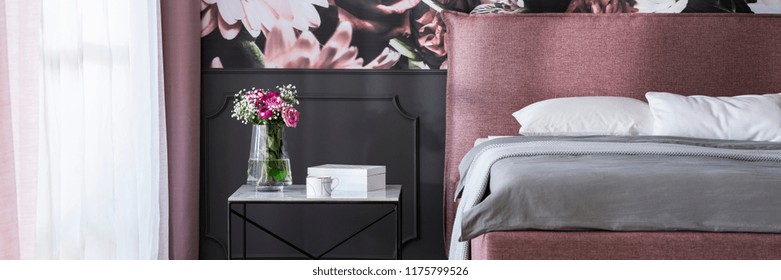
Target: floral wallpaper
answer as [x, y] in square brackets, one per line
[383, 34]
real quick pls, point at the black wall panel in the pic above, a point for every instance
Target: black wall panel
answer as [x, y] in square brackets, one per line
[391, 118]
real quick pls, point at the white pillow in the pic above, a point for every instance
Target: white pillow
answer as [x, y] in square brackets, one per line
[745, 117]
[588, 115]
[479, 141]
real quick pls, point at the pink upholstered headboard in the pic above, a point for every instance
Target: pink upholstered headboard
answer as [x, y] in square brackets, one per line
[500, 63]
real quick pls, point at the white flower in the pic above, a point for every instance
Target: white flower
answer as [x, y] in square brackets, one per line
[766, 7]
[257, 15]
[661, 6]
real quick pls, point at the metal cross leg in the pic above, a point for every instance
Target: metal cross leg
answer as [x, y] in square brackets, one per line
[242, 214]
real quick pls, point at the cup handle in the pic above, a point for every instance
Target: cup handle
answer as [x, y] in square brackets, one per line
[334, 183]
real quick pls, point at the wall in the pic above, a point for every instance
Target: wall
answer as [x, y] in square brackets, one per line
[394, 118]
[383, 34]
[391, 118]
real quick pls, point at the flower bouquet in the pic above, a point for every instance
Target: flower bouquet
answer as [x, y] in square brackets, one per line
[268, 111]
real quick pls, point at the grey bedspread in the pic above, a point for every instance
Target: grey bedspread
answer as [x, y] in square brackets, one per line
[618, 183]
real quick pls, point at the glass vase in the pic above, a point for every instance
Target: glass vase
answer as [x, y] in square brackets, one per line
[268, 168]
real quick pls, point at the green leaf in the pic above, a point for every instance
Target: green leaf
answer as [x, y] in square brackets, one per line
[436, 6]
[253, 51]
[416, 64]
[403, 48]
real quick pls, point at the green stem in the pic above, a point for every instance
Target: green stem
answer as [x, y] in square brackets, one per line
[274, 166]
[253, 51]
[274, 142]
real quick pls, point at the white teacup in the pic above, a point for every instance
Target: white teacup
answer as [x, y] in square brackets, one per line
[320, 185]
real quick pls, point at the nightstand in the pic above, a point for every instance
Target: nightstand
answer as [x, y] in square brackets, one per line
[296, 194]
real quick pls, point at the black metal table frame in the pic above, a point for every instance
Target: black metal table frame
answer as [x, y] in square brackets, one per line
[244, 219]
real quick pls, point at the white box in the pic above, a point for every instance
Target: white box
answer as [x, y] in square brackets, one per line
[352, 179]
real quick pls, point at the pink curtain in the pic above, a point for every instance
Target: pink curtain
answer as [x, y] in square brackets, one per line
[9, 226]
[19, 89]
[181, 59]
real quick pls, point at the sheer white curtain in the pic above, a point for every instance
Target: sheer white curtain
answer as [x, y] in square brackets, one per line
[102, 170]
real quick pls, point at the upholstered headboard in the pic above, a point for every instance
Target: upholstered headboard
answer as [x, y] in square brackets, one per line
[500, 63]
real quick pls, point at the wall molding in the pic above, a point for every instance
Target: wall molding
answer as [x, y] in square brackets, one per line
[205, 187]
[227, 100]
[398, 116]
[415, 121]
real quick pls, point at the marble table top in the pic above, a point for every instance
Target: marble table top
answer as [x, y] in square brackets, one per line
[297, 193]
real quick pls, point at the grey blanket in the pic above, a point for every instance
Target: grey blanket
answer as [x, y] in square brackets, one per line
[619, 184]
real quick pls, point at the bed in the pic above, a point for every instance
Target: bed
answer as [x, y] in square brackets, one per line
[501, 63]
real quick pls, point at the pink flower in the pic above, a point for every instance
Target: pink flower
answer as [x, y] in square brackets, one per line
[265, 113]
[274, 102]
[257, 15]
[270, 95]
[216, 63]
[386, 19]
[290, 115]
[285, 50]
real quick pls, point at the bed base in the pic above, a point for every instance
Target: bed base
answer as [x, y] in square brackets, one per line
[607, 245]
